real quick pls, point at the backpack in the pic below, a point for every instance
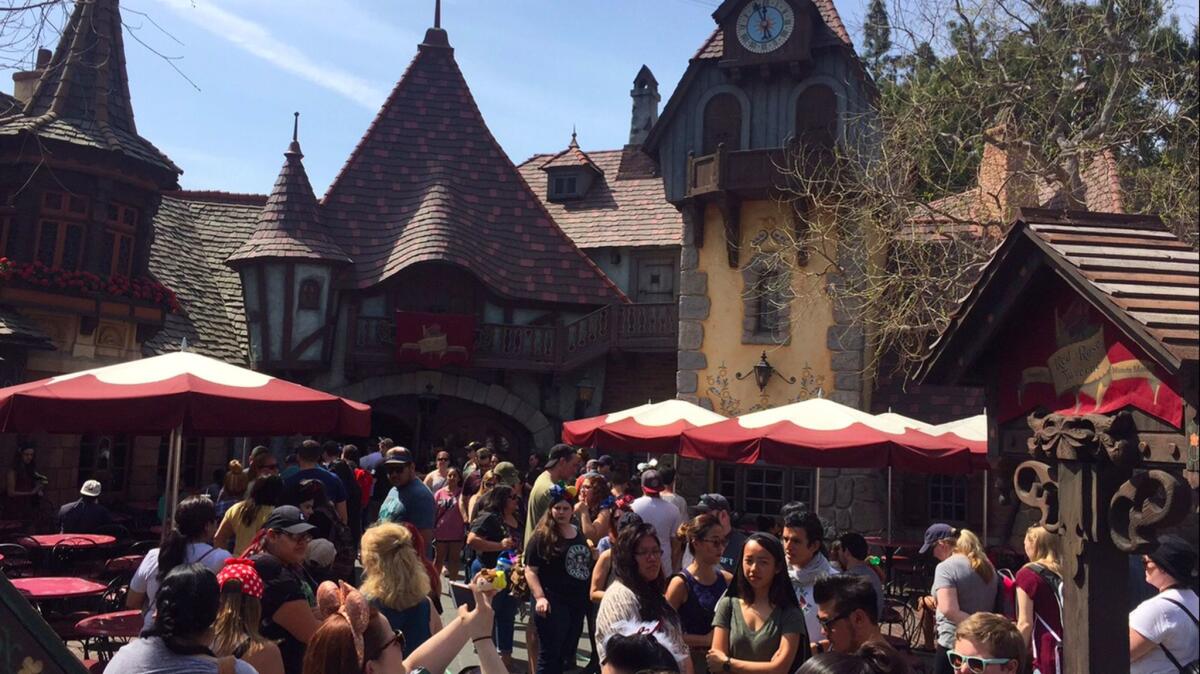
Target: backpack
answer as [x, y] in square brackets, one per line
[1194, 666]
[1054, 581]
[1006, 594]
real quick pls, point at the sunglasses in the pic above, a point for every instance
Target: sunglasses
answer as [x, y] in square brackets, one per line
[657, 552]
[827, 623]
[443, 458]
[397, 638]
[975, 664]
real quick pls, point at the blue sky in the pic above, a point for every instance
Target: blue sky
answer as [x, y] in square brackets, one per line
[535, 67]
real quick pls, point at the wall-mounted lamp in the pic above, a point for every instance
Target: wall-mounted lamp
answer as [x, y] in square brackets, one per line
[584, 390]
[763, 371]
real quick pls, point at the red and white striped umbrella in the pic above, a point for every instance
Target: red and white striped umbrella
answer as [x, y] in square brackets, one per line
[823, 434]
[178, 391]
[971, 431]
[652, 428]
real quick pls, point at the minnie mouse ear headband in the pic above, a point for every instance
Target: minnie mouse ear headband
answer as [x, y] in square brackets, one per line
[342, 599]
[243, 571]
[562, 492]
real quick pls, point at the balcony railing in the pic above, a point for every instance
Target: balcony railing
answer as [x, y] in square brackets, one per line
[747, 173]
[629, 327]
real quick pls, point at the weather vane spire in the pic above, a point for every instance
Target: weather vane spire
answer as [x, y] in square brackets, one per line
[437, 13]
[295, 127]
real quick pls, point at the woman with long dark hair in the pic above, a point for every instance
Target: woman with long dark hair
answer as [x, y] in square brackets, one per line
[243, 519]
[696, 589]
[25, 485]
[449, 529]
[558, 566]
[497, 529]
[186, 606]
[758, 627]
[188, 541]
[637, 593]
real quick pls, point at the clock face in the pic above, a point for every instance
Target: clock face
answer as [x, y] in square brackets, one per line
[764, 25]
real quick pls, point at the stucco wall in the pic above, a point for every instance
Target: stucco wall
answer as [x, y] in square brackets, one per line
[708, 370]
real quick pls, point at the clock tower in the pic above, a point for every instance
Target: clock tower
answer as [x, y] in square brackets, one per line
[760, 34]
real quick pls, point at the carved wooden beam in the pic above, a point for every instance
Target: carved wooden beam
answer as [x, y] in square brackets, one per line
[1147, 503]
[730, 207]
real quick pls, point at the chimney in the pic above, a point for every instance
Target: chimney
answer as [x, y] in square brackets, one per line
[25, 82]
[1003, 184]
[645, 106]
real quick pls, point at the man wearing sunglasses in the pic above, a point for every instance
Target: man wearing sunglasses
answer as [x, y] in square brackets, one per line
[987, 643]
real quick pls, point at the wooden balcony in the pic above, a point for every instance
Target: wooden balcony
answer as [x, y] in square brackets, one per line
[645, 328]
[750, 174]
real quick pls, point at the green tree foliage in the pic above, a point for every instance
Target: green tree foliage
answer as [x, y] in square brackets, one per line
[1049, 86]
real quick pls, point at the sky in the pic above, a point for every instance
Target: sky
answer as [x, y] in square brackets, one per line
[215, 82]
[535, 67]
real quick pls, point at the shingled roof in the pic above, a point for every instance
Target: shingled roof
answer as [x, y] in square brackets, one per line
[1131, 268]
[428, 182]
[20, 331]
[622, 208]
[82, 97]
[570, 157]
[289, 226]
[195, 232]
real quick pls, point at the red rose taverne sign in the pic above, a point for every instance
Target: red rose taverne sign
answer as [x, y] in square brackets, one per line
[1072, 360]
[434, 340]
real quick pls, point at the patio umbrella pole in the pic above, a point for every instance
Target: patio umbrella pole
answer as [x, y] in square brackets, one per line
[889, 505]
[174, 458]
[817, 495]
[985, 508]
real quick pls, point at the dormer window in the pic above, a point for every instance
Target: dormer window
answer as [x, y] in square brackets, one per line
[564, 186]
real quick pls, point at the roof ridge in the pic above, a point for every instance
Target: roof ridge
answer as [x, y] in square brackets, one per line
[219, 196]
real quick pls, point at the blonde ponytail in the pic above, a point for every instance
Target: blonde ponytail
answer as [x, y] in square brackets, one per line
[1045, 548]
[969, 546]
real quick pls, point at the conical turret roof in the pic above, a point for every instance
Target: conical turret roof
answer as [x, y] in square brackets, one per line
[290, 223]
[428, 182]
[82, 97]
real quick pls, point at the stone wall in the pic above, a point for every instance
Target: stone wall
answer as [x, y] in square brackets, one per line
[854, 499]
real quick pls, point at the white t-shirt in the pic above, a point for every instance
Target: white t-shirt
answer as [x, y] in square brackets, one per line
[1165, 623]
[145, 579]
[680, 503]
[665, 518]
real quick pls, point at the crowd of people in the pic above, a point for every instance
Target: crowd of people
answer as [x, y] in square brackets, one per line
[339, 564]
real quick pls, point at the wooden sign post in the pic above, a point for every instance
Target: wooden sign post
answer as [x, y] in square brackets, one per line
[1082, 480]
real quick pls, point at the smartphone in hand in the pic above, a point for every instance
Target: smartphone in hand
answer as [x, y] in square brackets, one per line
[462, 594]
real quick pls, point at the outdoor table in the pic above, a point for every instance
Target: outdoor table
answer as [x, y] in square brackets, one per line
[72, 540]
[117, 625]
[39, 588]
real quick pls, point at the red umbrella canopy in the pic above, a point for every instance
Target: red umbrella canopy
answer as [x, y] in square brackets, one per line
[654, 427]
[817, 433]
[201, 395]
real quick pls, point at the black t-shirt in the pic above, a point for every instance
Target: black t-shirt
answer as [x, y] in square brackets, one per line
[282, 584]
[567, 574]
[732, 556]
[490, 526]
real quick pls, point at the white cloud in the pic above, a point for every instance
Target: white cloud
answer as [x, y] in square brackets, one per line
[257, 40]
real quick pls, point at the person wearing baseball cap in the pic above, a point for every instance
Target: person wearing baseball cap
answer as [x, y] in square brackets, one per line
[86, 515]
[718, 505]
[1163, 634]
[236, 630]
[409, 499]
[278, 554]
[561, 466]
[662, 515]
[964, 581]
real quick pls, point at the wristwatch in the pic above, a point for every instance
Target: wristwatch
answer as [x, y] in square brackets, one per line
[725, 665]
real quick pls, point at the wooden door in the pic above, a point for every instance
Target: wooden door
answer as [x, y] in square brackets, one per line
[654, 279]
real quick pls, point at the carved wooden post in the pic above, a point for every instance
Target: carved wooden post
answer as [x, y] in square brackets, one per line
[1081, 480]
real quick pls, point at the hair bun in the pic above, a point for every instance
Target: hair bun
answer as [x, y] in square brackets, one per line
[235, 467]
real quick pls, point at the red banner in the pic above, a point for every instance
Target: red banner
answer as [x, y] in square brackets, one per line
[1073, 361]
[434, 340]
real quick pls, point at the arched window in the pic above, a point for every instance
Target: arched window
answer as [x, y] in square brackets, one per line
[722, 123]
[310, 295]
[816, 116]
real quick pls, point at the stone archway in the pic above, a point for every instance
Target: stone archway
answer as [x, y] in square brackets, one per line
[454, 386]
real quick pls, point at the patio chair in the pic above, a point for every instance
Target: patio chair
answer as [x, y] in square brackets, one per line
[121, 568]
[142, 547]
[16, 561]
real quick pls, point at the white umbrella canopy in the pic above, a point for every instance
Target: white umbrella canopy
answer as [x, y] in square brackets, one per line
[653, 428]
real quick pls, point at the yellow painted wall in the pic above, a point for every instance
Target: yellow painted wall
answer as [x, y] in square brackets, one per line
[805, 357]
